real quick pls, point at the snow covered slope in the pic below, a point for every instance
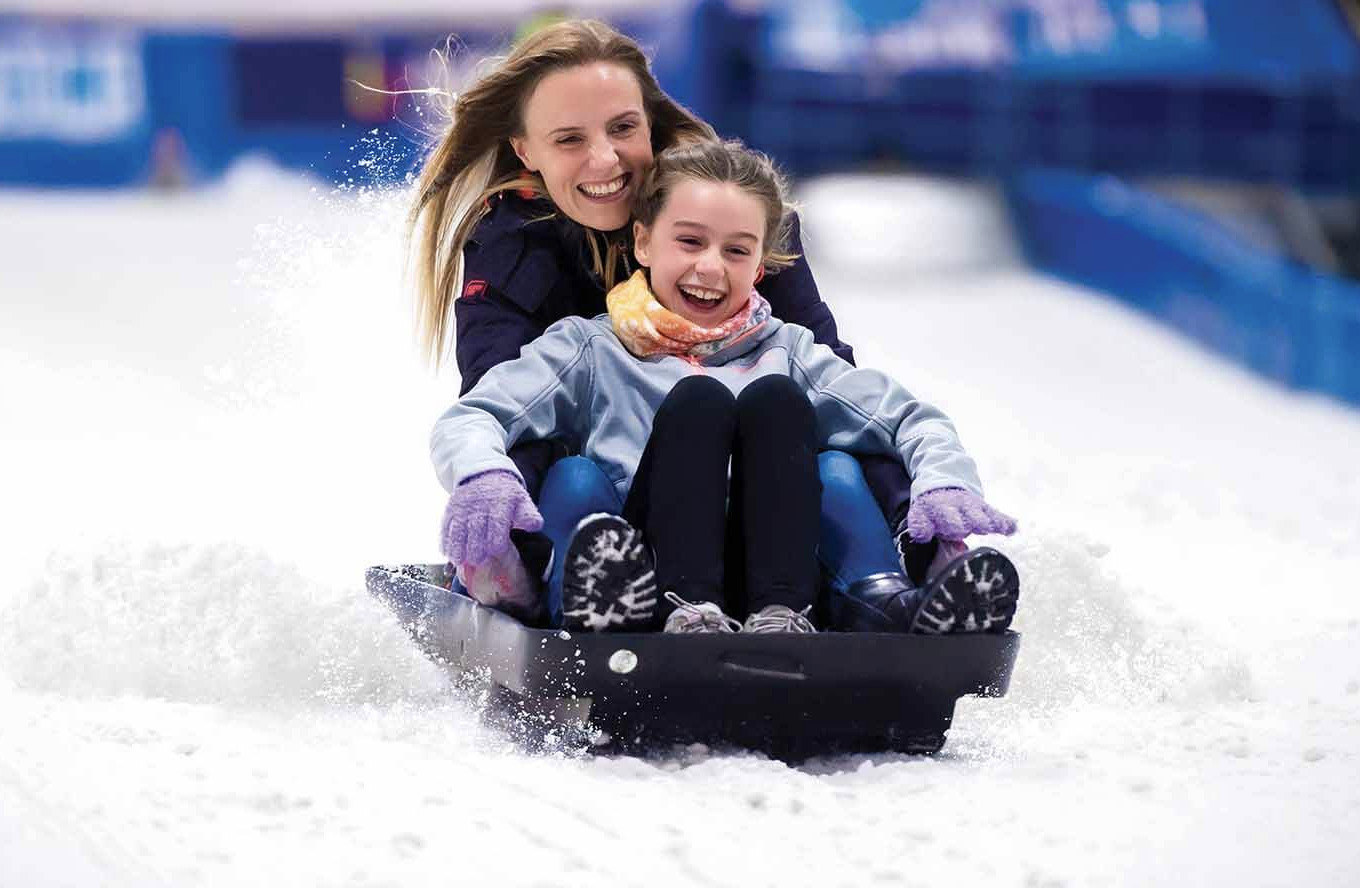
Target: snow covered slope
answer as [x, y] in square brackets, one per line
[212, 420]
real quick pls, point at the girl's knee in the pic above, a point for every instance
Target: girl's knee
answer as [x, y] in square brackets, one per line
[776, 402]
[771, 390]
[704, 388]
[700, 398]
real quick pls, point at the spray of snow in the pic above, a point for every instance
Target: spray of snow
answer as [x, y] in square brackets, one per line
[205, 623]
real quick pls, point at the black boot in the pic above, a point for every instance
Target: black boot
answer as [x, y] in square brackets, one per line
[608, 579]
[975, 592]
[882, 602]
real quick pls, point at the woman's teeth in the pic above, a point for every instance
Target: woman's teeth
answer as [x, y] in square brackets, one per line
[703, 295]
[608, 189]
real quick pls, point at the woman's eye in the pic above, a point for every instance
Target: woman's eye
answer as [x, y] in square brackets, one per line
[569, 140]
[624, 129]
[739, 251]
[689, 241]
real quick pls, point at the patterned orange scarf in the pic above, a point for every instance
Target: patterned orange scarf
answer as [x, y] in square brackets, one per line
[646, 327]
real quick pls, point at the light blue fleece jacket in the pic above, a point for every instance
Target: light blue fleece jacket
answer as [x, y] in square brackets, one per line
[578, 382]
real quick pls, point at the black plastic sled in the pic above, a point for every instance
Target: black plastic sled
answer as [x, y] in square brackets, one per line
[791, 696]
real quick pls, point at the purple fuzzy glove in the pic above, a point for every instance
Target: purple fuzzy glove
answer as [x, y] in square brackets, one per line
[952, 513]
[480, 514]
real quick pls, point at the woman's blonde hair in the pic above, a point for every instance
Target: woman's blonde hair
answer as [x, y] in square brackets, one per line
[474, 160]
[728, 162]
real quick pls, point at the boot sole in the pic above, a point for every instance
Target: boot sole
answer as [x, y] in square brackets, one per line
[976, 592]
[608, 583]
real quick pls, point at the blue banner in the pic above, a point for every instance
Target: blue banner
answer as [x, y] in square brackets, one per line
[1224, 40]
[73, 103]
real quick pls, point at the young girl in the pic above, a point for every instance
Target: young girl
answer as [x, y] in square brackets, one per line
[522, 221]
[690, 374]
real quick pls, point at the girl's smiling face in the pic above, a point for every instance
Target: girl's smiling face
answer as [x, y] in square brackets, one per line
[704, 250]
[586, 133]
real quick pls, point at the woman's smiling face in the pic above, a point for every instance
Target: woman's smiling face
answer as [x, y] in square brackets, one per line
[704, 250]
[586, 133]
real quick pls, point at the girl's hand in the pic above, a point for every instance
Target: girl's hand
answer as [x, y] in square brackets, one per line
[480, 515]
[952, 513]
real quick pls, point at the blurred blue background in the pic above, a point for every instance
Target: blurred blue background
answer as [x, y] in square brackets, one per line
[1199, 159]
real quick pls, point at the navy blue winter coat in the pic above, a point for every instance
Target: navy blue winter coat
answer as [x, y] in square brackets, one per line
[523, 272]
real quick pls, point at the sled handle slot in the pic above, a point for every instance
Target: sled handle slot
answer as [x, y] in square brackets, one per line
[764, 665]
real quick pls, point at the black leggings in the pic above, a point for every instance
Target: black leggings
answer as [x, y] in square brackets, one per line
[748, 544]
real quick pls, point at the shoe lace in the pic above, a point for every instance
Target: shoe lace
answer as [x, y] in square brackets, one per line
[715, 617]
[781, 619]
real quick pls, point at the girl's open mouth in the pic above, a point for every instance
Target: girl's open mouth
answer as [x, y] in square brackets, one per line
[701, 299]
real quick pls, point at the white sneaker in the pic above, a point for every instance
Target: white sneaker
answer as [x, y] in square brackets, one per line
[702, 617]
[779, 618]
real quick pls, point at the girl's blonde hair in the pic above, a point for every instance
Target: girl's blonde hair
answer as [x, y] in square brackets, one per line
[728, 162]
[474, 160]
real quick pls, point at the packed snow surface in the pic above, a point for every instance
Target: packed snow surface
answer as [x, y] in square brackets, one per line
[213, 419]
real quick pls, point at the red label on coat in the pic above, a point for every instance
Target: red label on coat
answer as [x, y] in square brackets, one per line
[474, 289]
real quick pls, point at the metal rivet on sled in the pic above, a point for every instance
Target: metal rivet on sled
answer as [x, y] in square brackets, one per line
[623, 661]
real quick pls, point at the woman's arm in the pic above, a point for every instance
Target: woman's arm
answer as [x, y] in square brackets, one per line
[507, 277]
[794, 298]
[490, 329]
